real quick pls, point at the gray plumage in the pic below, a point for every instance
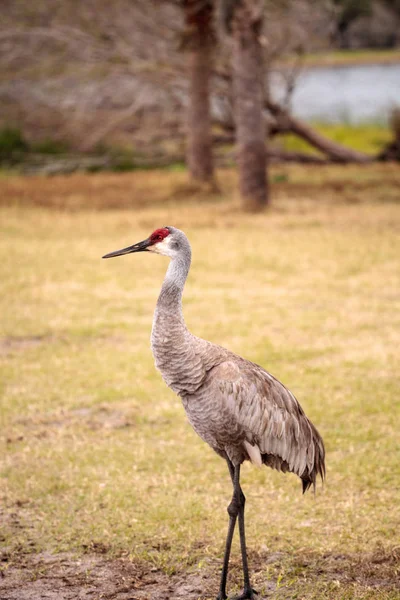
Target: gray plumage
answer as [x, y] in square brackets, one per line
[230, 402]
[234, 405]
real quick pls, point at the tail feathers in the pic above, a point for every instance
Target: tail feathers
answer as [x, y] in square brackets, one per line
[309, 478]
[306, 483]
[310, 474]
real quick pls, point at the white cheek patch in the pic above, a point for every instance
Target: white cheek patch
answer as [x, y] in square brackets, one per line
[160, 248]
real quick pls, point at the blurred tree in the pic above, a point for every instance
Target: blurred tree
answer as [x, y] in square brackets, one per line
[348, 11]
[394, 5]
[243, 20]
[392, 150]
[198, 39]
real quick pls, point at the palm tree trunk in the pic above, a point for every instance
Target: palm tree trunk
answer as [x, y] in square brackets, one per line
[199, 26]
[247, 81]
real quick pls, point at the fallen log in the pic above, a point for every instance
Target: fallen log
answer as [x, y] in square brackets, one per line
[285, 122]
[281, 121]
[273, 154]
[278, 155]
[36, 164]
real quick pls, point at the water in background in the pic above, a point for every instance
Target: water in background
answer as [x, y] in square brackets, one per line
[353, 94]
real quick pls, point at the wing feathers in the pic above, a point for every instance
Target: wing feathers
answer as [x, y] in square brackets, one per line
[275, 428]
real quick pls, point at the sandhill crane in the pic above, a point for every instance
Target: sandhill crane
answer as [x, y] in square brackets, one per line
[239, 409]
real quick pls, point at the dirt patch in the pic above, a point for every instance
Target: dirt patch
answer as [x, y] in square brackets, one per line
[94, 418]
[12, 344]
[40, 426]
[97, 577]
[379, 569]
[62, 577]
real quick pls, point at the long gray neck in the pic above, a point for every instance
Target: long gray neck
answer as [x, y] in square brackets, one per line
[170, 298]
[172, 344]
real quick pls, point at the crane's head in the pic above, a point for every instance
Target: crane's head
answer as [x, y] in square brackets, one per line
[167, 240]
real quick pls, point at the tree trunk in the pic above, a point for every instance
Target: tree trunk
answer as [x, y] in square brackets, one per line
[199, 36]
[247, 74]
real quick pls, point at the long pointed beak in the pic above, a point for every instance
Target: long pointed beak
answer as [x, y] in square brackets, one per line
[139, 247]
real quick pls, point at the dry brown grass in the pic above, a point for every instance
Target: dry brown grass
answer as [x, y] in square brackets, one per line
[146, 189]
[97, 454]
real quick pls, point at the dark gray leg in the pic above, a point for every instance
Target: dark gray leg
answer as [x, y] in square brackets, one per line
[236, 509]
[233, 513]
[248, 592]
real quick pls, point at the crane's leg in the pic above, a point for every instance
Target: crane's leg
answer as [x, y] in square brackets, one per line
[235, 510]
[233, 513]
[248, 592]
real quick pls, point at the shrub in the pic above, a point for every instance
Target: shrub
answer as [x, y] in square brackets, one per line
[11, 142]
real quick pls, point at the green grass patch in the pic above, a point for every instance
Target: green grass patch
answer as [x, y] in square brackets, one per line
[49, 146]
[369, 138]
[11, 142]
[338, 58]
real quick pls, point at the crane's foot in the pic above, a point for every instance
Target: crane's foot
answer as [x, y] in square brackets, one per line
[248, 594]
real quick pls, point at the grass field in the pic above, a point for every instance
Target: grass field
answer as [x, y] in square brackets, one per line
[98, 459]
[342, 58]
